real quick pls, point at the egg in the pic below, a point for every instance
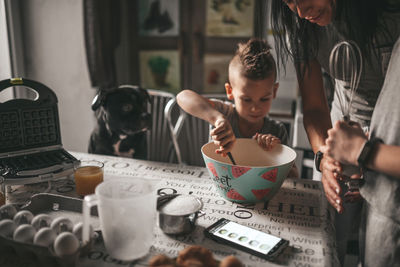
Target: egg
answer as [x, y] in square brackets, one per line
[24, 233]
[78, 230]
[61, 224]
[66, 244]
[44, 237]
[23, 217]
[7, 227]
[7, 211]
[41, 220]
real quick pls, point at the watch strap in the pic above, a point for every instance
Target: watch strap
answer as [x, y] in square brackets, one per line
[317, 160]
[367, 151]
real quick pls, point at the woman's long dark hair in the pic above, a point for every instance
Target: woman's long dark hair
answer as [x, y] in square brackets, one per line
[357, 20]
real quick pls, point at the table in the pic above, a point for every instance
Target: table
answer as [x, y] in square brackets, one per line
[299, 213]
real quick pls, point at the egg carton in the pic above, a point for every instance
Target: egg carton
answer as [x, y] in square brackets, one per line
[54, 206]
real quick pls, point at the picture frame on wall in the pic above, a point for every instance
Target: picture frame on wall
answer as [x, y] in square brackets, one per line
[230, 18]
[216, 72]
[158, 18]
[160, 69]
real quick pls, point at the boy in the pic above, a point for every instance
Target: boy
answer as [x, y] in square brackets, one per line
[252, 85]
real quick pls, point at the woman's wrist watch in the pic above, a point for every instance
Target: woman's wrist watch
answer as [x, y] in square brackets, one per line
[317, 160]
[367, 151]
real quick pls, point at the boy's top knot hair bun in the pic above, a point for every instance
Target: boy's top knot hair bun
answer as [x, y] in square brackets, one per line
[256, 59]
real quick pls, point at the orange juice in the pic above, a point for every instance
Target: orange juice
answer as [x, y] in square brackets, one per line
[87, 178]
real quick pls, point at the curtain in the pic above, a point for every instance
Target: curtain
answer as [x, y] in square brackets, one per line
[102, 36]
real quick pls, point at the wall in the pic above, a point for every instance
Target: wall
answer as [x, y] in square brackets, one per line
[53, 44]
[54, 54]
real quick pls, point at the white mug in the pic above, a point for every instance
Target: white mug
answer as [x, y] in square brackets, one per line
[127, 212]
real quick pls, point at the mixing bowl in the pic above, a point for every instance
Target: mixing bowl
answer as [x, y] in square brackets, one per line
[257, 175]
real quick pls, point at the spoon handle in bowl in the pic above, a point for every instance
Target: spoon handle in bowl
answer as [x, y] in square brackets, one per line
[231, 158]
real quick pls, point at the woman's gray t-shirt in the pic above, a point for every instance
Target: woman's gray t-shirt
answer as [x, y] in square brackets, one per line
[270, 126]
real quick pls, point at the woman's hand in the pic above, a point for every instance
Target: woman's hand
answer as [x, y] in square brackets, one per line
[266, 141]
[331, 171]
[223, 136]
[344, 142]
[342, 145]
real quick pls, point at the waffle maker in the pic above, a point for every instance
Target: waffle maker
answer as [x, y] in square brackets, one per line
[30, 142]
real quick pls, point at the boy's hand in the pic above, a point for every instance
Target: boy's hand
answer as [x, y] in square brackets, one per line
[266, 141]
[223, 136]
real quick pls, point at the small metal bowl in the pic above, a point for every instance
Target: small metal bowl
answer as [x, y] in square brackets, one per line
[177, 214]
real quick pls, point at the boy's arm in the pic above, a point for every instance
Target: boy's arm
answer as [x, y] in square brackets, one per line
[202, 108]
[198, 106]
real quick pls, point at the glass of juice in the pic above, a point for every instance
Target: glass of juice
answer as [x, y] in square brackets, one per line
[88, 174]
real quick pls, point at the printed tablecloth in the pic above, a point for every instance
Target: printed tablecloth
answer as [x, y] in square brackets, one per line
[299, 213]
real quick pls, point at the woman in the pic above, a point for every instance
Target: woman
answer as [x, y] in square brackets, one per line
[313, 28]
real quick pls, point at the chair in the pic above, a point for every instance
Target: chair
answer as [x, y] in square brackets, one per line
[188, 133]
[159, 142]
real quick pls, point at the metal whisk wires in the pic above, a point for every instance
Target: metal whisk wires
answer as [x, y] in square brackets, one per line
[345, 64]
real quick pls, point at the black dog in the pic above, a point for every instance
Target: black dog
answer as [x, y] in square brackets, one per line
[122, 121]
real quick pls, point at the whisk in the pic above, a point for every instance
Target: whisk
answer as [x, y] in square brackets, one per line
[345, 63]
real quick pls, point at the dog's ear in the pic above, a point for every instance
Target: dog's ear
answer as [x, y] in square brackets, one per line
[145, 93]
[98, 100]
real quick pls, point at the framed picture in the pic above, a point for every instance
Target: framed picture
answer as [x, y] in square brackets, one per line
[216, 72]
[158, 17]
[230, 18]
[160, 69]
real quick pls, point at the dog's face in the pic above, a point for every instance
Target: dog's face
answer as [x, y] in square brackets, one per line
[125, 110]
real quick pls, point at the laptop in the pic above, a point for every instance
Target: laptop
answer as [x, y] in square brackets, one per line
[30, 141]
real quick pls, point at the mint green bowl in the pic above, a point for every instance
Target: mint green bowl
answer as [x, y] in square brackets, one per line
[258, 174]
